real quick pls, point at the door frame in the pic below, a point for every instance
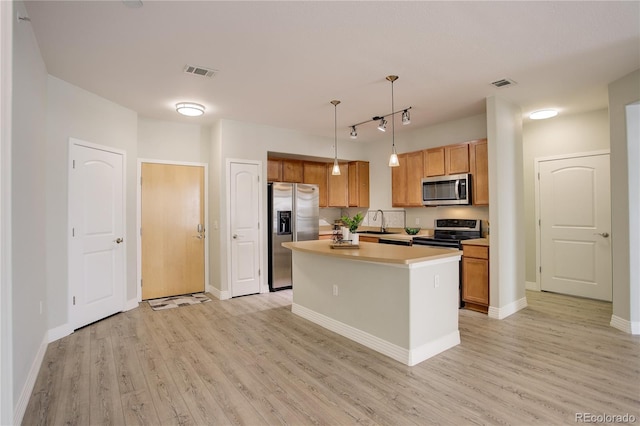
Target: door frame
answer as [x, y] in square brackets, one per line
[264, 288]
[139, 219]
[537, 161]
[72, 320]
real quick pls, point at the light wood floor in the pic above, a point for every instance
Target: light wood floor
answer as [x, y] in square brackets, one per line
[251, 361]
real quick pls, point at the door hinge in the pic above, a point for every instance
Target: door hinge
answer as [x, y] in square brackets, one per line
[74, 300]
[258, 225]
[141, 232]
[140, 180]
[73, 164]
[259, 272]
[540, 269]
[539, 222]
[73, 232]
[538, 175]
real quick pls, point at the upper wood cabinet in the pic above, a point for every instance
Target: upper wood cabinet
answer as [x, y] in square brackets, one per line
[359, 184]
[434, 162]
[406, 180]
[456, 159]
[338, 186]
[479, 165]
[292, 171]
[316, 173]
[274, 170]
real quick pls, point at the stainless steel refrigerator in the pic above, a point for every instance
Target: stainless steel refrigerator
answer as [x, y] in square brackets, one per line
[293, 216]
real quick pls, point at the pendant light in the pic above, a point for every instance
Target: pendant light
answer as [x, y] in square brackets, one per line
[336, 167]
[393, 159]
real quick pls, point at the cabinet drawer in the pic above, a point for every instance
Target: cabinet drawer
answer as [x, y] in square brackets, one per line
[478, 252]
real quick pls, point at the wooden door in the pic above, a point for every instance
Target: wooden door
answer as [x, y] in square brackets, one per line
[575, 222]
[97, 248]
[245, 213]
[456, 158]
[434, 162]
[172, 230]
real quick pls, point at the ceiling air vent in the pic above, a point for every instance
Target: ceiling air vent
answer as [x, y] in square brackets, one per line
[504, 82]
[202, 71]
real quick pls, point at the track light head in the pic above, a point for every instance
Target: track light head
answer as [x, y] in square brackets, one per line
[406, 118]
[353, 134]
[383, 125]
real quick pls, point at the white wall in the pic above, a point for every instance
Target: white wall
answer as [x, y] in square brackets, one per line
[74, 112]
[633, 146]
[173, 141]
[622, 92]
[564, 134]
[28, 204]
[506, 198]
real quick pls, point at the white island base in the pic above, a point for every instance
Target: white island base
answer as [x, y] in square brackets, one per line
[405, 310]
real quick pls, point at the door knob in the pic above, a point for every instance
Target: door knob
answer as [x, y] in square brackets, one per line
[602, 234]
[118, 240]
[235, 236]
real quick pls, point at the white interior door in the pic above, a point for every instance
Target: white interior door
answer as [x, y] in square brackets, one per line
[97, 246]
[575, 226]
[245, 213]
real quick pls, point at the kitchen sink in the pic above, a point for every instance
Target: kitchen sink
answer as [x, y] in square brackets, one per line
[377, 232]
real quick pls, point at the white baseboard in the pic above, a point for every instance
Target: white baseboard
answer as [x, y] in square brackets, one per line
[59, 332]
[27, 389]
[510, 309]
[533, 286]
[131, 304]
[624, 325]
[218, 294]
[405, 356]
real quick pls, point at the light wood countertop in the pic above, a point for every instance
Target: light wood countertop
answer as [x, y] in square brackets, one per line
[476, 242]
[372, 252]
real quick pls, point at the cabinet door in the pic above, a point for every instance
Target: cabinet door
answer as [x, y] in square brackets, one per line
[456, 159]
[359, 184]
[434, 162]
[367, 239]
[475, 283]
[292, 171]
[399, 182]
[274, 170]
[316, 173]
[338, 186]
[479, 164]
[414, 170]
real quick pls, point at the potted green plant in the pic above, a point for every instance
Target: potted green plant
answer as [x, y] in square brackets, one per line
[352, 224]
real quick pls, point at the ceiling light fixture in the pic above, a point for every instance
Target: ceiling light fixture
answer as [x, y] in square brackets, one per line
[353, 134]
[336, 167]
[190, 109]
[383, 125]
[393, 159]
[542, 114]
[406, 118]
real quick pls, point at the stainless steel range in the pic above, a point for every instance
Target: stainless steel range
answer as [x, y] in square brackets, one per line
[448, 233]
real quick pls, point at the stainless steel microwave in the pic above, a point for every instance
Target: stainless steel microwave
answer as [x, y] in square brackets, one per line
[451, 190]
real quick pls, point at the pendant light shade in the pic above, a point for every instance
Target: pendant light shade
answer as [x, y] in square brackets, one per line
[336, 167]
[393, 159]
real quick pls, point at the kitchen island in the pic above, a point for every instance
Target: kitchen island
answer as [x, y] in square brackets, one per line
[400, 301]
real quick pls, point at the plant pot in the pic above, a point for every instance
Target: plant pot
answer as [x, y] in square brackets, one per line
[345, 233]
[355, 238]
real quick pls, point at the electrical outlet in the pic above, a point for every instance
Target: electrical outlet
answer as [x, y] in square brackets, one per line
[436, 281]
[417, 221]
[335, 290]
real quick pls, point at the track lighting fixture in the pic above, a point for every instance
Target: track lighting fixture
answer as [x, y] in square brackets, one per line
[336, 167]
[383, 125]
[353, 134]
[406, 119]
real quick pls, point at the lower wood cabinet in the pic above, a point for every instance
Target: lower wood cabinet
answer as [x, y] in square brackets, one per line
[367, 239]
[475, 277]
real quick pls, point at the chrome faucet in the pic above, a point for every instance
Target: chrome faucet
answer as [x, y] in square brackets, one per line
[375, 217]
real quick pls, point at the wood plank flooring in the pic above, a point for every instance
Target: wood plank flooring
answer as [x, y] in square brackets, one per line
[250, 361]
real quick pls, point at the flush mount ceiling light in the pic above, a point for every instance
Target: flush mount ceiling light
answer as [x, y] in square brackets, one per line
[336, 167]
[190, 109]
[542, 114]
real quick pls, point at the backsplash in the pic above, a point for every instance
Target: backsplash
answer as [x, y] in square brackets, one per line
[392, 218]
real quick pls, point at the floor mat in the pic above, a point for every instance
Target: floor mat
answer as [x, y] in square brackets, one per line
[177, 301]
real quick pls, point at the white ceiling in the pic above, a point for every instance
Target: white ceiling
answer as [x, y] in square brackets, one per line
[281, 63]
